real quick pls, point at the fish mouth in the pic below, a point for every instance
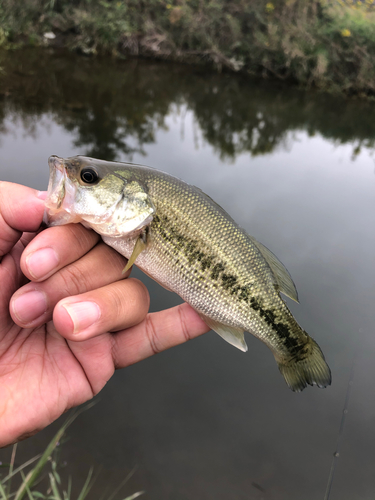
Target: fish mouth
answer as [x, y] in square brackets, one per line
[60, 194]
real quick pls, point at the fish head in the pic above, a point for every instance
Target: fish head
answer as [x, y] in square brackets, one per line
[106, 196]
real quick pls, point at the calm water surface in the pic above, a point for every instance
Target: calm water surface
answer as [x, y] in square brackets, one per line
[296, 170]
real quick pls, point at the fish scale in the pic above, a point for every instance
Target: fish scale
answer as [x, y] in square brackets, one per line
[186, 242]
[235, 255]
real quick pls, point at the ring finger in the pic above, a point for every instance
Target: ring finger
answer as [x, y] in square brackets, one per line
[119, 305]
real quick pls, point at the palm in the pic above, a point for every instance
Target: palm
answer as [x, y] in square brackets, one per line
[37, 364]
[40, 368]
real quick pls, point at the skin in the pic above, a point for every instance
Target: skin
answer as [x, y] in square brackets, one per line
[68, 317]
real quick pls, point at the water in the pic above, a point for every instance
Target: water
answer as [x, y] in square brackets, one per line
[296, 169]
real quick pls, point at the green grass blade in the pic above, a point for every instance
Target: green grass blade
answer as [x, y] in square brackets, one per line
[18, 469]
[135, 495]
[2, 491]
[123, 482]
[87, 486]
[27, 489]
[69, 487]
[14, 450]
[54, 488]
[56, 475]
[34, 473]
[69, 491]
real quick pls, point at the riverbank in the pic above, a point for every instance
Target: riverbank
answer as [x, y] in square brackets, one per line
[314, 43]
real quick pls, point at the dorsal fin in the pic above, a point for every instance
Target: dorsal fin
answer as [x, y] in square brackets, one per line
[283, 280]
[215, 204]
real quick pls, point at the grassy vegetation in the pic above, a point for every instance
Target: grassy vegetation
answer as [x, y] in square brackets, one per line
[329, 44]
[29, 480]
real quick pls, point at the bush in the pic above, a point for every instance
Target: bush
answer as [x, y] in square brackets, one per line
[326, 43]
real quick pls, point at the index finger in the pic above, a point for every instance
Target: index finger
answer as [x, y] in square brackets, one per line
[21, 210]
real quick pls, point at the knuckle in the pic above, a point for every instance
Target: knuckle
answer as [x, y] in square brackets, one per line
[82, 238]
[128, 302]
[114, 259]
[183, 324]
[154, 341]
[142, 296]
[116, 301]
[8, 235]
[74, 280]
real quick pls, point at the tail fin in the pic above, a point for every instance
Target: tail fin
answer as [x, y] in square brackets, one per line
[309, 368]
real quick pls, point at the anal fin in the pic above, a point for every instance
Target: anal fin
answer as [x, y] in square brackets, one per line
[234, 336]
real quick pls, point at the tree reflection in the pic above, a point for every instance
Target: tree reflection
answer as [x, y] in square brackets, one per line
[116, 107]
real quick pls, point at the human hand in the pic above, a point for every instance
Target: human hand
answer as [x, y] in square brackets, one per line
[62, 295]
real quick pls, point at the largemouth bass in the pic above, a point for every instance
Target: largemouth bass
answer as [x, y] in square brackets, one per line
[186, 242]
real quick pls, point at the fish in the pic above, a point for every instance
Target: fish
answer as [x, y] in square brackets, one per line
[186, 242]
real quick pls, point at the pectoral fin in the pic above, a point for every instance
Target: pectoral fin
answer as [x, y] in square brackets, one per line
[234, 336]
[139, 246]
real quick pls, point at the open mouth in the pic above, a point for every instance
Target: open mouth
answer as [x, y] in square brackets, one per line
[60, 194]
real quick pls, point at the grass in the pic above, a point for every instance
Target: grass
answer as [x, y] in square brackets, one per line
[28, 479]
[329, 44]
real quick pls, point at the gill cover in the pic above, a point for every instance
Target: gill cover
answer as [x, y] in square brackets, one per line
[129, 214]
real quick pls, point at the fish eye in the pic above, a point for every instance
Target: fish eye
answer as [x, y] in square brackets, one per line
[89, 176]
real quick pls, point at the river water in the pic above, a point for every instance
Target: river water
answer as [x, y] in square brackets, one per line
[296, 170]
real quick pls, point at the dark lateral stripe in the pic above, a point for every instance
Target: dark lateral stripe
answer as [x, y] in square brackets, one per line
[281, 329]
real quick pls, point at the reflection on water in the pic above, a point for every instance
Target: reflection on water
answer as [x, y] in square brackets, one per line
[203, 420]
[117, 108]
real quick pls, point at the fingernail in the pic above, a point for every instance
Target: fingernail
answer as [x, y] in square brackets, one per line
[42, 262]
[82, 314]
[42, 195]
[29, 306]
